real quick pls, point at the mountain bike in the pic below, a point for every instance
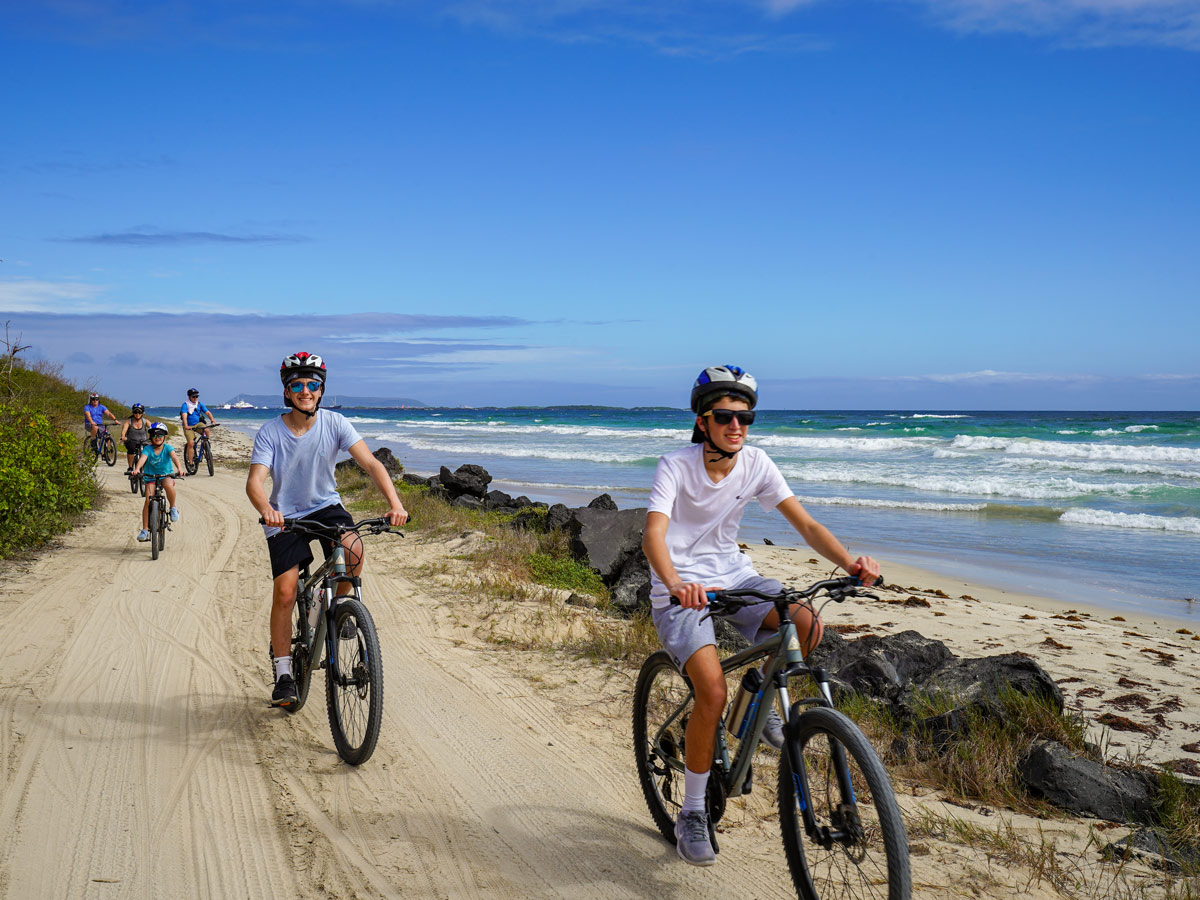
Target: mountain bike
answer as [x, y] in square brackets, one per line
[842, 830]
[341, 629]
[201, 449]
[159, 519]
[102, 445]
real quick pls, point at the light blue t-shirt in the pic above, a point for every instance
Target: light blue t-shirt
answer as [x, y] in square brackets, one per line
[159, 463]
[302, 474]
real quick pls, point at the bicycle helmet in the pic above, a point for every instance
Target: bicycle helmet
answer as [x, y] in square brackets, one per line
[155, 429]
[137, 408]
[711, 385]
[193, 392]
[302, 365]
[92, 397]
[720, 381]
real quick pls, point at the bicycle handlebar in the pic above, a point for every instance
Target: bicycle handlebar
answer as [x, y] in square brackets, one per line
[377, 525]
[838, 589]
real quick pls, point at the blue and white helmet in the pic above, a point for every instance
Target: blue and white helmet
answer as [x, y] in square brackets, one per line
[156, 428]
[722, 380]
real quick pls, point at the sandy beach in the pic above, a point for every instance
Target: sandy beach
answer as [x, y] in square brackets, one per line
[140, 757]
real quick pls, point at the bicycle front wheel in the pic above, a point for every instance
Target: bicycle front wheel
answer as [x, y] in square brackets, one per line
[662, 703]
[153, 530]
[208, 461]
[110, 450]
[133, 483]
[859, 848]
[354, 683]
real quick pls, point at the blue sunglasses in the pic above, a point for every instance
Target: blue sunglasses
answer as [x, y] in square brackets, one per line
[297, 386]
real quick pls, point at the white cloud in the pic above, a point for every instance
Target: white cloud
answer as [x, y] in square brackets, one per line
[20, 295]
[1093, 23]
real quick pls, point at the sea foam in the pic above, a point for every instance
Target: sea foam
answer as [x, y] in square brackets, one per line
[1184, 524]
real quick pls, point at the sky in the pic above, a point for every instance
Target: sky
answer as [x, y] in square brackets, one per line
[869, 204]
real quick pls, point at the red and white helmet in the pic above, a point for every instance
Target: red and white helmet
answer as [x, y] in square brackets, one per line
[302, 365]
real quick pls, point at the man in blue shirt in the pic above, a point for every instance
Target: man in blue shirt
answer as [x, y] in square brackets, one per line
[191, 412]
[298, 450]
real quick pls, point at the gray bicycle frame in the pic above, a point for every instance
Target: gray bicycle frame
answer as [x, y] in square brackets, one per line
[319, 587]
[792, 659]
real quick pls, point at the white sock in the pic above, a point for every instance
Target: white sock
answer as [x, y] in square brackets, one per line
[694, 786]
[283, 666]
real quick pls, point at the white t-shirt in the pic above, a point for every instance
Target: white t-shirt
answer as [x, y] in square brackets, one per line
[702, 533]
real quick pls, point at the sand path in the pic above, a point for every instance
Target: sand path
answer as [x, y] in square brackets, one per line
[140, 758]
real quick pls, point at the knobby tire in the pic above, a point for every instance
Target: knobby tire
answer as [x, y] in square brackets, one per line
[109, 450]
[659, 692]
[153, 523]
[208, 460]
[356, 707]
[874, 866]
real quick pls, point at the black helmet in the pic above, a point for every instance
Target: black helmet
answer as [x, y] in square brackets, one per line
[137, 408]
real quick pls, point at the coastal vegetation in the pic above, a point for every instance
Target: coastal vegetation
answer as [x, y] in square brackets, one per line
[46, 478]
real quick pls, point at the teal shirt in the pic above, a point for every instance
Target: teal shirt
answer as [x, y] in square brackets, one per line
[158, 463]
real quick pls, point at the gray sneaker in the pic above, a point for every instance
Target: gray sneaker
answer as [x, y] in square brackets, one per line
[773, 730]
[691, 839]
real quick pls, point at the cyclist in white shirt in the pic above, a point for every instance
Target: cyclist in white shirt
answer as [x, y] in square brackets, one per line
[690, 540]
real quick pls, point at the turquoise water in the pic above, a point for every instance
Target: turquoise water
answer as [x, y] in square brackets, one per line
[1102, 508]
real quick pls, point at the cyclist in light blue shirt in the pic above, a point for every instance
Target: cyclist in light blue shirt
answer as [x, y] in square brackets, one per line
[298, 450]
[158, 458]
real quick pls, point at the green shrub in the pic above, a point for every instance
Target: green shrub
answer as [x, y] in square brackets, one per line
[44, 478]
[564, 572]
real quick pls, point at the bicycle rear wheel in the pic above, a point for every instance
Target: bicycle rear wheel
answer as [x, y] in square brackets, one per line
[191, 465]
[109, 450]
[208, 460]
[861, 849]
[662, 703]
[153, 530]
[354, 695]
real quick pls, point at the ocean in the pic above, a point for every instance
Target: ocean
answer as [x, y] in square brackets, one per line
[1095, 508]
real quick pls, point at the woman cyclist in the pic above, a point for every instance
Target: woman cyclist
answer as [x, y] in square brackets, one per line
[134, 433]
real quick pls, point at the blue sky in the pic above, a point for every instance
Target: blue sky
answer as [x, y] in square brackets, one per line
[889, 204]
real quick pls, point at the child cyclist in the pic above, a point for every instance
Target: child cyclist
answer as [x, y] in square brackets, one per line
[298, 450]
[158, 458]
[690, 539]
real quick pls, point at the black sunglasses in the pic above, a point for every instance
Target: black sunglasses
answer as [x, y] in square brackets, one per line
[725, 416]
